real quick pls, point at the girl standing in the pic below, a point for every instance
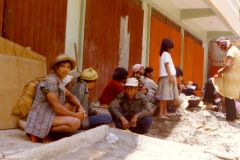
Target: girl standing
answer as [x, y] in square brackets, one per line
[167, 88]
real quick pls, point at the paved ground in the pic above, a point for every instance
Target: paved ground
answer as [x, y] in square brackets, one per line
[204, 133]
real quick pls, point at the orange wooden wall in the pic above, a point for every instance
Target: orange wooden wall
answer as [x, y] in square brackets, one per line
[39, 24]
[1, 16]
[193, 60]
[160, 30]
[102, 34]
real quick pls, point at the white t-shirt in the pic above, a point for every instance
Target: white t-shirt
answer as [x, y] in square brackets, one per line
[166, 58]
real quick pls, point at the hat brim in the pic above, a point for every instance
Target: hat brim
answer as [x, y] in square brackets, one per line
[65, 59]
[130, 85]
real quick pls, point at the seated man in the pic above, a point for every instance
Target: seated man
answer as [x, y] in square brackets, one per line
[86, 82]
[131, 109]
[48, 113]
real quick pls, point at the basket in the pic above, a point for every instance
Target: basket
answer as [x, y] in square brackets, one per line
[193, 101]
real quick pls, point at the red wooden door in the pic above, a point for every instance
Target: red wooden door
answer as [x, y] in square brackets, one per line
[1, 16]
[38, 24]
[102, 34]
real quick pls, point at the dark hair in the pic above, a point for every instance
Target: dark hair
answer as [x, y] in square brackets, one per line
[148, 70]
[179, 72]
[166, 45]
[120, 74]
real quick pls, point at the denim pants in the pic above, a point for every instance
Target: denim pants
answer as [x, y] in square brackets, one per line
[99, 119]
[142, 126]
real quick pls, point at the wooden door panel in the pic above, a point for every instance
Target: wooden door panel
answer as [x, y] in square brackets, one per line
[37, 24]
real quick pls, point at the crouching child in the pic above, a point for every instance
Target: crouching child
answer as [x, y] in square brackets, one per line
[132, 109]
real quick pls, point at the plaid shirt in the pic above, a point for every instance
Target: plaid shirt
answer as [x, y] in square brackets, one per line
[39, 120]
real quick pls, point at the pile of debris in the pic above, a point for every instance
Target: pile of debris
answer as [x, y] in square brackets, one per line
[201, 128]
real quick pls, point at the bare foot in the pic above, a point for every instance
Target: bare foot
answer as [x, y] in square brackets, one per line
[163, 117]
[171, 114]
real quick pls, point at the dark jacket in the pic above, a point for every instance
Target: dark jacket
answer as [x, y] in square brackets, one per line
[120, 106]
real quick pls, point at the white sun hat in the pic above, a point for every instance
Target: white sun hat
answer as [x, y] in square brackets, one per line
[133, 82]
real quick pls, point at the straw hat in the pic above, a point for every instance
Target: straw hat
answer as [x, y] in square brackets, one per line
[63, 58]
[133, 82]
[89, 74]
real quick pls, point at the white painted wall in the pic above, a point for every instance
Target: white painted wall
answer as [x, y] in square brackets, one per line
[72, 26]
[146, 32]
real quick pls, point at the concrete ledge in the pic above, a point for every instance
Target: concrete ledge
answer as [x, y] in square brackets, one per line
[63, 146]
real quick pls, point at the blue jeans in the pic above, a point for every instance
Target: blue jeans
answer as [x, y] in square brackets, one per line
[142, 127]
[99, 119]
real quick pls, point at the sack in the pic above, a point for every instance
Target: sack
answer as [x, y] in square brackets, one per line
[24, 103]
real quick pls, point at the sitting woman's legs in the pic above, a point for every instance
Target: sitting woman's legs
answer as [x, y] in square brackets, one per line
[65, 124]
[70, 107]
[99, 119]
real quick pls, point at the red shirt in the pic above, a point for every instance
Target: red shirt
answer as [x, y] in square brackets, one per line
[111, 91]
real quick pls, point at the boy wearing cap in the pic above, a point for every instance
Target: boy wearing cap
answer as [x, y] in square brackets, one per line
[86, 82]
[48, 113]
[131, 109]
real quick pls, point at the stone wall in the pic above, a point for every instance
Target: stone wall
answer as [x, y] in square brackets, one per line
[18, 66]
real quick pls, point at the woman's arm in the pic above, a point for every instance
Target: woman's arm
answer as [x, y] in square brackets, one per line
[171, 78]
[59, 109]
[228, 64]
[73, 100]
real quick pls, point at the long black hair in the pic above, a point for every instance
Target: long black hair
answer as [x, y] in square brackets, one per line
[166, 45]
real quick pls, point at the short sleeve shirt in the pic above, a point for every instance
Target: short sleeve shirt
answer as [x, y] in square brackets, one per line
[166, 58]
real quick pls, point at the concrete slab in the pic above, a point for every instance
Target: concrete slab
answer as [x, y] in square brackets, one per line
[14, 141]
[92, 145]
[197, 135]
[132, 146]
[63, 146]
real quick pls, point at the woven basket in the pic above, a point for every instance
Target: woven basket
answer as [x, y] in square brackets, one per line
[24, 103]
